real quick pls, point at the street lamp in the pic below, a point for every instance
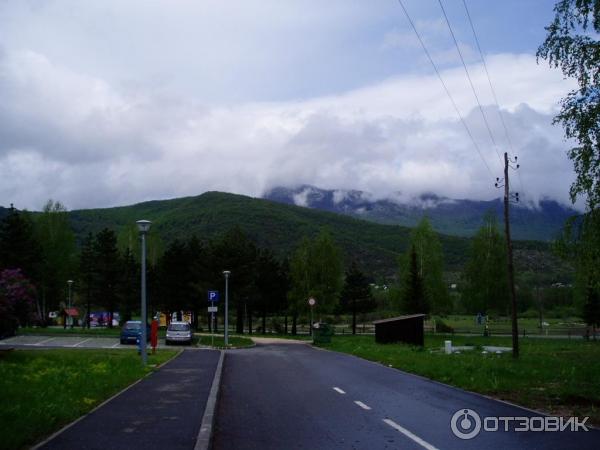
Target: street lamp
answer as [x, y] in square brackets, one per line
[70, 283]
[143, 227]
[226, 273]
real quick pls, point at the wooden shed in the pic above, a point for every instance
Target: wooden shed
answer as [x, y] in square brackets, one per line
[407, 329]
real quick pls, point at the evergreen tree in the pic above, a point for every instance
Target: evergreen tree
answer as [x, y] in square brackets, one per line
[414, 300]
[19, 246]
[237, 253]
[591, 309]
[108, 270]
[130, 286]
[356, 296]
[485, 275]
[430, 262]
[57, 241]
[87, 273]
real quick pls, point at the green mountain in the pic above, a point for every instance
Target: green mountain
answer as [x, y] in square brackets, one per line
[280, 227]
[272, 225]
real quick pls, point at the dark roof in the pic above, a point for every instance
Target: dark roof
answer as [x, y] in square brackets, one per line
[399, 318]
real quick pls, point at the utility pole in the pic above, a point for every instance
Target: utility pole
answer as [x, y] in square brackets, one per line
[511, 274]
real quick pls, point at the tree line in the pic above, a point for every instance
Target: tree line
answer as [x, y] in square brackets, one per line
[105, 268]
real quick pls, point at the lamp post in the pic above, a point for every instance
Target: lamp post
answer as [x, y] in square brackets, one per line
[143, 227]
[70, 283]
[226, 273]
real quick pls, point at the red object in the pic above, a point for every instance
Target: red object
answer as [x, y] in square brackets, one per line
[71, 312]
[154, 335]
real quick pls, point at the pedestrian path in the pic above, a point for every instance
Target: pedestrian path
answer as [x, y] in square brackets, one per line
[164, 410]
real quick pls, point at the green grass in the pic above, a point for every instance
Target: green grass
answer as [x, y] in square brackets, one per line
[219, 342]
[43, 390]
[502, 325]
[558, 376]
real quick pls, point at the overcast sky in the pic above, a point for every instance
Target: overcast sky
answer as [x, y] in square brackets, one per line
[113, 102]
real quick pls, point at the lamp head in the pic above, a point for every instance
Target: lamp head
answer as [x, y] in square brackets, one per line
[226, 273]
[143, 225]
[69, 282]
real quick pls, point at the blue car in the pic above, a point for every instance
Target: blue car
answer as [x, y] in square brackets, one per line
[131, 330]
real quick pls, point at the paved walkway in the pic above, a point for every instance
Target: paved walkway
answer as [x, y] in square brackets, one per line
[164, 410]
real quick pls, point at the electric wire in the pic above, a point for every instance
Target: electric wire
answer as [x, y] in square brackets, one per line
[487, 73]
[435, 68]
[487, 125]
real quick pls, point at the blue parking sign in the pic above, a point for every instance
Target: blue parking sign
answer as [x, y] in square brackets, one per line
[213, 296]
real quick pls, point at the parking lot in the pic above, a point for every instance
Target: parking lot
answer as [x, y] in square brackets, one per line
[67, 342]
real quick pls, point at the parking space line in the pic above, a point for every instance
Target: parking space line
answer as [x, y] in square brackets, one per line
[338, 390]
[113, 346]
[408, 434]
[85, 340]
[44, 341]
[362, 405]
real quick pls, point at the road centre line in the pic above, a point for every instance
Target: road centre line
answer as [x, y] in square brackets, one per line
[362, 405]
[338, 390]
[44, 341]
[408, 434]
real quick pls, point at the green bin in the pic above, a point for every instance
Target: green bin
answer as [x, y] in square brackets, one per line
[322, 333]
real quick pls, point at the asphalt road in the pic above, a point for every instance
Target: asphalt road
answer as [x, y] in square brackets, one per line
[163, 411]
[278, 396]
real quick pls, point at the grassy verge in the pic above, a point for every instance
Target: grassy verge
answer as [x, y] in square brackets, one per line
[43, 390]
[219, 342]
[552, 375]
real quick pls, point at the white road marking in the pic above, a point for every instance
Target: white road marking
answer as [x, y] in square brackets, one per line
[44, 341]
[85, 340]
[408, 434]
[338, 390]
[113, 346]
[362, 405]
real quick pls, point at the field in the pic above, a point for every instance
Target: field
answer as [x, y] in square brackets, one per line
[557, 376]
[43, 390]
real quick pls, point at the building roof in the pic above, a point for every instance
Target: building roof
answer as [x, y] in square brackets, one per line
[399, 318]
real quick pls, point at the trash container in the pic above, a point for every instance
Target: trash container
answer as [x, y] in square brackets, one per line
[322, 333]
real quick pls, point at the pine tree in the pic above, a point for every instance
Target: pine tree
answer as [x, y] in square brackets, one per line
[413, 297]
[356, 296]
[430, 262]
[591, 310]
[87, 273]
[19, 246]
[108, 269]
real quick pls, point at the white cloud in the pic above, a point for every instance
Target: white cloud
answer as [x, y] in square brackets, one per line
[80, 139]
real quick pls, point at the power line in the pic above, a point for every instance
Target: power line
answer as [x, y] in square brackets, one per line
[487, 125]
[445, 88]
[487, 73]
[508, 140]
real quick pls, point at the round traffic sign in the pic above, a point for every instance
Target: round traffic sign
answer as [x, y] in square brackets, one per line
[312, 301]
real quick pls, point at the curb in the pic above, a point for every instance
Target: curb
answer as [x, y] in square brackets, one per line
[204, 438]
[80, 418]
